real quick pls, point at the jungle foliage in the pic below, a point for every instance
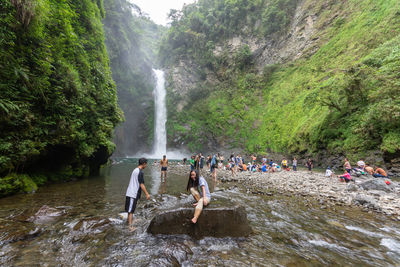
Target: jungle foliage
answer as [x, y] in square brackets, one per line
[344, 98]
[58, 103]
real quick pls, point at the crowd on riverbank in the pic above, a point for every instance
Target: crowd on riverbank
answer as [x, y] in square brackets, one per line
[364, 188]
[237, 163]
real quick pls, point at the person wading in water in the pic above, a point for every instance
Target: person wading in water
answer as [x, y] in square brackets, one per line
[134, 191]
[164, 167]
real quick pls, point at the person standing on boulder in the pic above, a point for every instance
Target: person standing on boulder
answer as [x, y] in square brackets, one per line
[203, 198]
[134, 191]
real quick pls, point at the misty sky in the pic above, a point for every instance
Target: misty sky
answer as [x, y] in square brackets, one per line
[158, 9]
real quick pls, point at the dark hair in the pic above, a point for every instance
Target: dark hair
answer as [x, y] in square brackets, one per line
[192, 183]
[164, 156]
[142, 161]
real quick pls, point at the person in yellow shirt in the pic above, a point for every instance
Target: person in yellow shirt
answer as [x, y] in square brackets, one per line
[284, 164]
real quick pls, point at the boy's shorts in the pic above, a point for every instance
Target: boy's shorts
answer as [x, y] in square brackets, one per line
[130, 204]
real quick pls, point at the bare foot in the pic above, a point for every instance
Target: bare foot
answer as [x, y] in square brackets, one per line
[131, 228]
[194, 220]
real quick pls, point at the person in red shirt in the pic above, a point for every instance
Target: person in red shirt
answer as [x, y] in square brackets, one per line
[345, 177]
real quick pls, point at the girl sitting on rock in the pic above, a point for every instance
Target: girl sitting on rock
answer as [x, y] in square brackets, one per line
[203, 199]
[345, 177]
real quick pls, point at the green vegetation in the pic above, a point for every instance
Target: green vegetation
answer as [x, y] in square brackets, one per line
[58, 104]
[344, 98]
[198, 27]
[132, 41]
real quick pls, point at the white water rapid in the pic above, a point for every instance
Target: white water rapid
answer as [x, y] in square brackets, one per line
[160, 133]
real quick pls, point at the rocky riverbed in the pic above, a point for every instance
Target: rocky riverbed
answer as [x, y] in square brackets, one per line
[369, 193]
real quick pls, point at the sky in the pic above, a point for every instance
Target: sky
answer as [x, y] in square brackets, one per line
[159, 9]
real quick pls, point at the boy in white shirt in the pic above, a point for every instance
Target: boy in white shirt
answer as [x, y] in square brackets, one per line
[329, 172]
[134, 191]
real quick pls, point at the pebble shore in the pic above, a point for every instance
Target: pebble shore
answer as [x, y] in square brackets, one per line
[369, 193]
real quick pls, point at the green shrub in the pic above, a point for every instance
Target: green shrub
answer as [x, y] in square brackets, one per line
[16, 183]
[391, 142]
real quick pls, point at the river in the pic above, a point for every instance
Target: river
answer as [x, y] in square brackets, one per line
[87, 231]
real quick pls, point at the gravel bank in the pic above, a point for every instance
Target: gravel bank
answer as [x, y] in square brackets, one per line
[371, 194]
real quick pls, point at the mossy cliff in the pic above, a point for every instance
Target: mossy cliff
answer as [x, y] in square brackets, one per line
[58, 102]
[286, 76]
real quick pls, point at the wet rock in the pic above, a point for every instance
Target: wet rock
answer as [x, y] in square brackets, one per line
[95, 224]
[178, 251]
[216, 222]
[20, 234]
[46, 214]
[90, 229]
[164, 260]
[377, 184]
[352, 188]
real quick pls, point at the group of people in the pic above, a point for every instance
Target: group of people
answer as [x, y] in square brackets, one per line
[361, 169]
[197, 186]
[198, 161]
[237, 164]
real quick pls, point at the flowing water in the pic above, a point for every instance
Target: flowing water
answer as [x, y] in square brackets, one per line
[87, 230]
[160, 134]
[160, 119]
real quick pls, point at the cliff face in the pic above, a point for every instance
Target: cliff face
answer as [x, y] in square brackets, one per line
[292, 77]
[300, 39]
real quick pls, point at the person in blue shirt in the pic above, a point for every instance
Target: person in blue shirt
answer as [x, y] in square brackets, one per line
[214, 166]
[203, 197]
[264, 168]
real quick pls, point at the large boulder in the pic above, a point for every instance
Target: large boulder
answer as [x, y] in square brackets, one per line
[377, 184]
[213, 221]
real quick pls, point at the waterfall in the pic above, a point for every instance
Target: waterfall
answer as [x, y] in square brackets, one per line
[160, 133]
[160, 118]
